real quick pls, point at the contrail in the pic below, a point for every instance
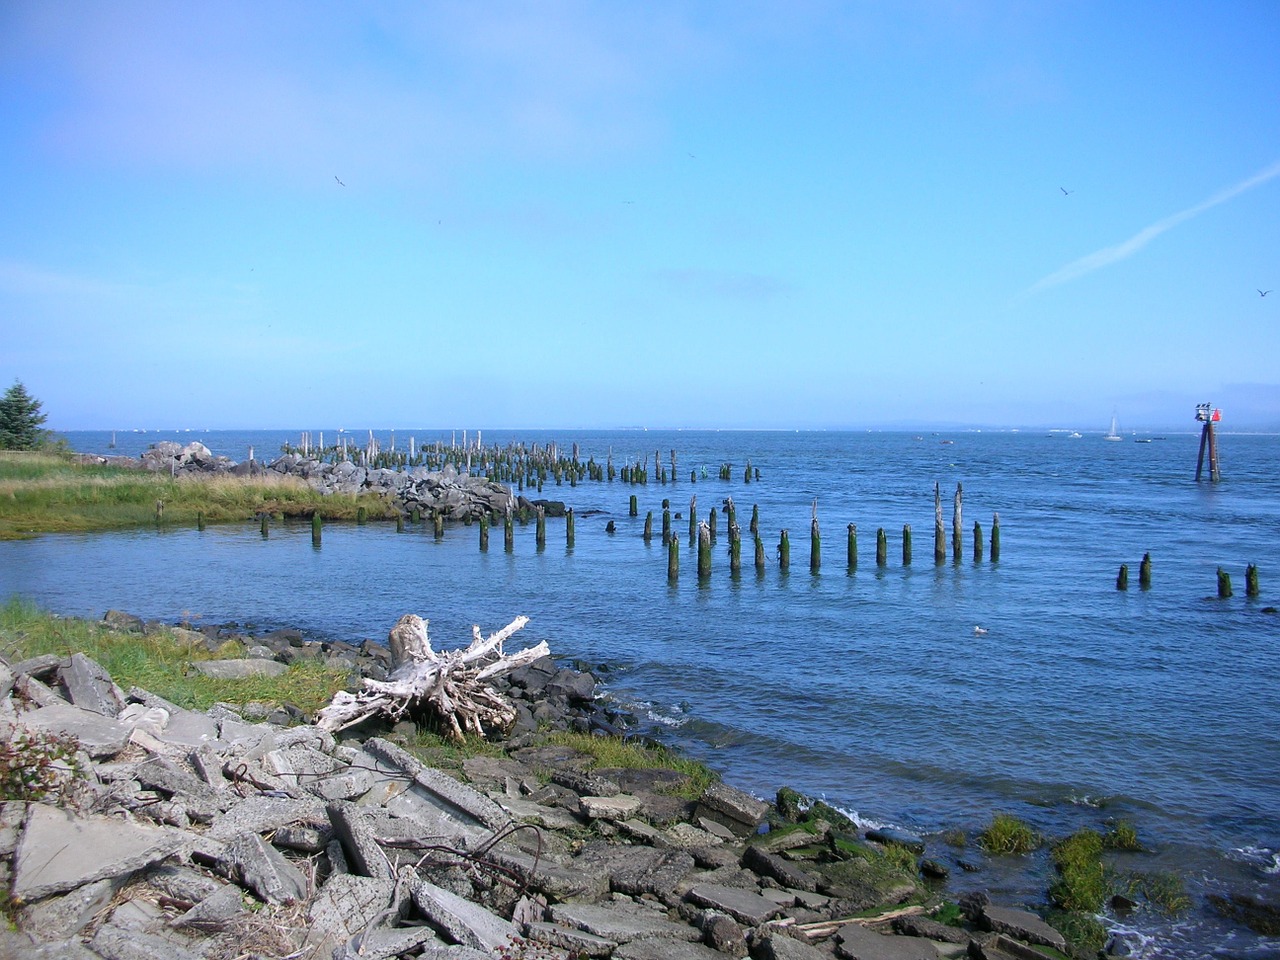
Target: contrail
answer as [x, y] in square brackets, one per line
[1109, 255]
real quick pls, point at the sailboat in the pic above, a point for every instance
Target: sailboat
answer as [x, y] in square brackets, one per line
[1114, 432]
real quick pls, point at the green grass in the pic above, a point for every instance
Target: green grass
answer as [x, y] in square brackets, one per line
[159, 662]
[610, 752]
[45, 493]
[1081, 885]
[1006, 834]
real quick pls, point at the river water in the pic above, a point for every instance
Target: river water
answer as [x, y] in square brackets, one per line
[923, 696]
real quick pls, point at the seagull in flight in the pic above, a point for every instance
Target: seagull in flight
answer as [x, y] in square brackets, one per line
[1066, 192]
[340, 183]
[1262, 293]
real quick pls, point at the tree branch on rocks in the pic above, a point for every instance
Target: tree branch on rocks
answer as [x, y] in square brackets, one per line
[450, 683]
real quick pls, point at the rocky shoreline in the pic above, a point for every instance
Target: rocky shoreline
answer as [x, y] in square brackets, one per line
[252, 833]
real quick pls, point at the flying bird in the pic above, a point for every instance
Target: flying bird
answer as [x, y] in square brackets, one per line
[1066, 192]
[1262, 293]
[340, 183]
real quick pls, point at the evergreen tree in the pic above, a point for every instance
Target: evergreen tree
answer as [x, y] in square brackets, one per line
[20, 420]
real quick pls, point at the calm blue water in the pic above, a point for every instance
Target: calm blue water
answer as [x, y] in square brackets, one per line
[870, 688]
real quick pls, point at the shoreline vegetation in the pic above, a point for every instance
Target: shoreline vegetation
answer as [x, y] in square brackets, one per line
[853, 876]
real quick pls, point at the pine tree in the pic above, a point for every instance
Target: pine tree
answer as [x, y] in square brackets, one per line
[20, 420]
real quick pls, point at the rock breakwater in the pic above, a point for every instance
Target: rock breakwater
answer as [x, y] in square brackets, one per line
[166, 832]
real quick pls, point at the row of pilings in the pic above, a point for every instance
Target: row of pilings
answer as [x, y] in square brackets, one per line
[518, 465]
[1223, 578]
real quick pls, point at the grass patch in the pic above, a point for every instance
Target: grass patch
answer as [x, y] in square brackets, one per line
[609, 752]
[1085, 934]
[1006, 834]
[1081, 884]
[1121, 836]
[1166, 892]
[43, 493]
[158, 662]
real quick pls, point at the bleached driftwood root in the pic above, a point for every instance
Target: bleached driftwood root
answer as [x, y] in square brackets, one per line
[449, 683]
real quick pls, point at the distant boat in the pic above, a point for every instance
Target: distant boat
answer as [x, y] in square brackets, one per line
[1114, 432]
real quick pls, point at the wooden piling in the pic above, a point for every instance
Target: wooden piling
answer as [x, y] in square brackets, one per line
[159, 511]
[399, 523]
[265, 525]
[540, 526]
[939, 531]
[693, 519]
[1144, 572]
[730, 514]
[666, 520]
[735, 549]
[1122, 578]
[977, 542]
[362, 515]
[704, 550]
[711, 523]
[995, 537]
[508, 531]
[957, 537]
[761, 559]
[200, 520]
[882, 548]
[437, 523]
[569, 528]
[634, 509]
[316, 525]
[1251, 580]
[484, 532]
[784, 551]
[906, 544]
[1224, 584]
[648, 526]
[815, 542]
[673, 559]
[755, 519]
[853, 546]
[746, 474]
[416, 516]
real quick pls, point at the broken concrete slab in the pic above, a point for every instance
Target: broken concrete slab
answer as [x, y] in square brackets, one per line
[118, 943]
[576, 880]
[856, 942]
[619, 923]
[578, 943]
[363, 854]
[216, 912]
[461, 921]
[780, 946]
[618, 807]
[61, 917]
[59, 852]
[665, 949]
[260, 814]
[433, 786]
[784, 871]
[345, 906]
[734, 808]
[238, 669]
[745, 906]
[1022, 925]
[89, 686]
[100, 736]
[252, 862]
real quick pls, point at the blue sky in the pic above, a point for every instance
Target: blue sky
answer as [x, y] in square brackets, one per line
[557, 215]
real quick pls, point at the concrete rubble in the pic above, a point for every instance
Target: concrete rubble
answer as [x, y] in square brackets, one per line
[175, 834]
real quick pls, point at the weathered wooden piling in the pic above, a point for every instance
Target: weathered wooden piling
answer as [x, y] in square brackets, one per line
[673, 559]
[416, 516]
[761, 558]
[200, 520]
[1122, 578]
[693, 476]
[484, 532]
[648, 526]
[362, 515]
[437, 524]
[159, 511]
[316, 525]
[853, 546]
[815, 541]
[266, 526]
[1144, 572]
[735, 549]
[746, 474]
[634, 509]
[569, 531]
[995, 537]
[1224, 584]
[711, 523]
[508, 531]
[939, 531]
[784, 551]
[882, 548]
[693, 519]
[666, 520]
[977, 542]
[755, 519]
[730, 513]
[957, 536]
[540, 526]
[906, 544]
[1251, 580]
[399, 523]
[704, 550]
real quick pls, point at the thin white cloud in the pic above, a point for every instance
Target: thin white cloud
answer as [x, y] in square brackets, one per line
[1109, 255]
